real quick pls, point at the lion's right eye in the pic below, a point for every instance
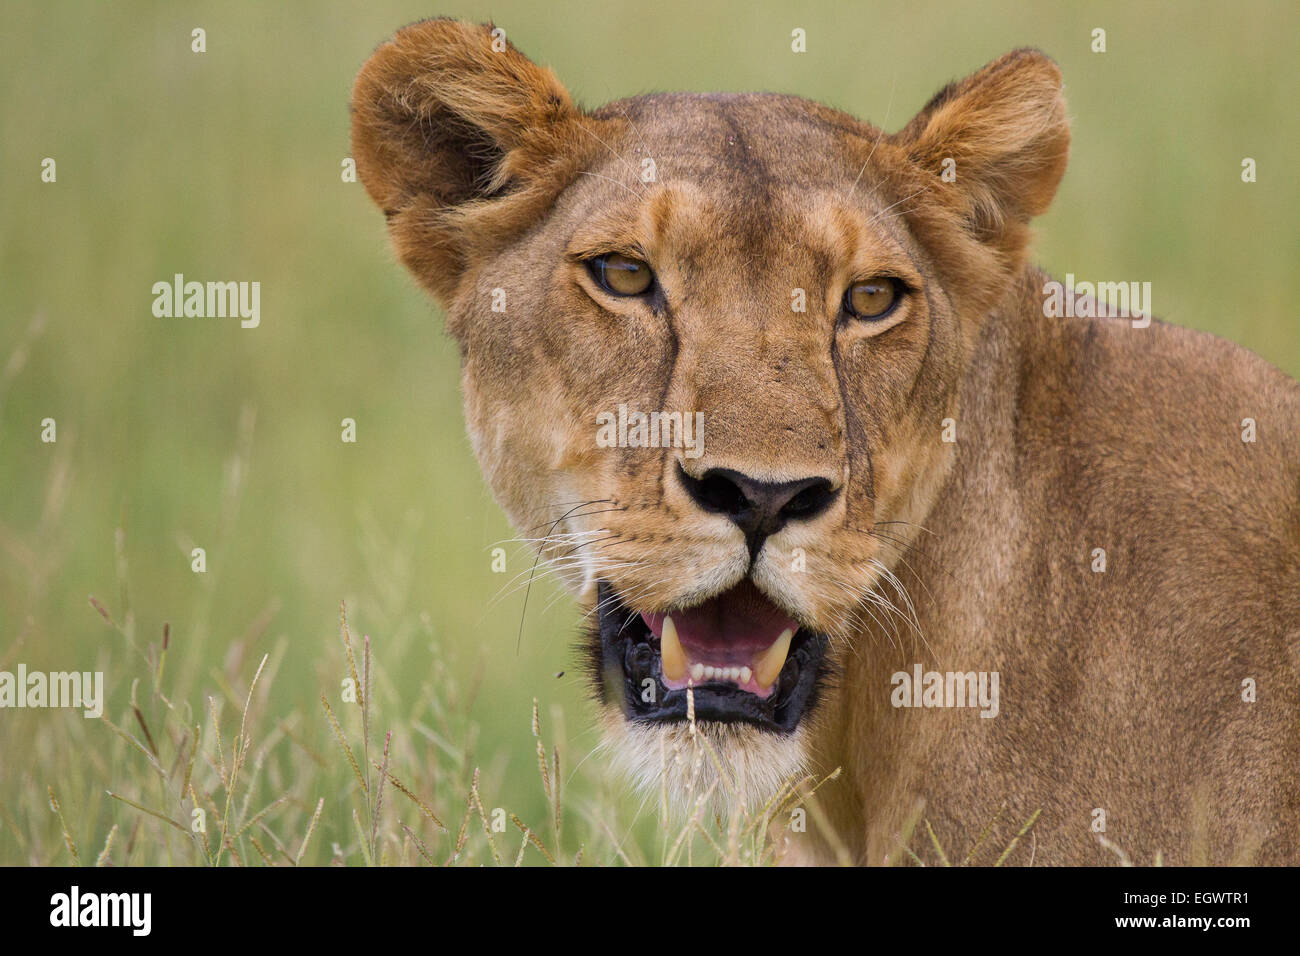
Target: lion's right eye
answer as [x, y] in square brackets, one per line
[621, 275]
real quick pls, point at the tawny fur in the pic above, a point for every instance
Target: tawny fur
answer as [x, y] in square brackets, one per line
[1120, 691]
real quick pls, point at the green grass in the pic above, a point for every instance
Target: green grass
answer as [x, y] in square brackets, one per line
[174, 434]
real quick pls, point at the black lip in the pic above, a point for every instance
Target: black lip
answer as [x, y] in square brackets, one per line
[628, 655]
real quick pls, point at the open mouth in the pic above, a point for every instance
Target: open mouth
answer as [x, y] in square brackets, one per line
[740, 656]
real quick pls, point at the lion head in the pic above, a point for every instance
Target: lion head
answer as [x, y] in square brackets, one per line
[709, 344]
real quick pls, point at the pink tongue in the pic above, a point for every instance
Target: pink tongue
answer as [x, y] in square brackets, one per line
[741, 619]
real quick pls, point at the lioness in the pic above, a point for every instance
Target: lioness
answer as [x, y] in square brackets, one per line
[915, 484]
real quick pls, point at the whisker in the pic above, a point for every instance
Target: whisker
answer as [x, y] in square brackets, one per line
[882, 212]
[523, 613]
[888, 106]
[614, 181]
[612, 153]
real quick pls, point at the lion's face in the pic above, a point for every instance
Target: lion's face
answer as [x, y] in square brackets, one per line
[711, 348]
[791, 461]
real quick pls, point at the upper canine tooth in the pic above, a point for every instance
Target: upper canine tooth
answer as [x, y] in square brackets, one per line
[767, 666]
[670, 649]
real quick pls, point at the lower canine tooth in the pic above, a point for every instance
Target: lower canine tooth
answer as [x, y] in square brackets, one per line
[670, 649]
[697, 671]
[767, 667]
[745, 675]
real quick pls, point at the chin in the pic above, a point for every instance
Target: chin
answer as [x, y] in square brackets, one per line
[710, 701]
[668, 758]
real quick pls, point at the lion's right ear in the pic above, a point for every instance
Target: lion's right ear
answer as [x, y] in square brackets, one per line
[462, 141]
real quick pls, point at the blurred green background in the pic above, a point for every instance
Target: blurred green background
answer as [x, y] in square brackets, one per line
[177, 433]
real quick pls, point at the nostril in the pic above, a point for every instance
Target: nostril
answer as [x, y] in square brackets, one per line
[714, 491]
[809, 501]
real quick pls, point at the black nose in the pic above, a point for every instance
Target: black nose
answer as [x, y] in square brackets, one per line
[759, 508]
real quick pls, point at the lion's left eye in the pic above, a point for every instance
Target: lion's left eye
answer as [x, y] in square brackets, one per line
[873, 299]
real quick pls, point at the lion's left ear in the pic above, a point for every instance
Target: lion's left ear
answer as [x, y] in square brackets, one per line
[1002, 136]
